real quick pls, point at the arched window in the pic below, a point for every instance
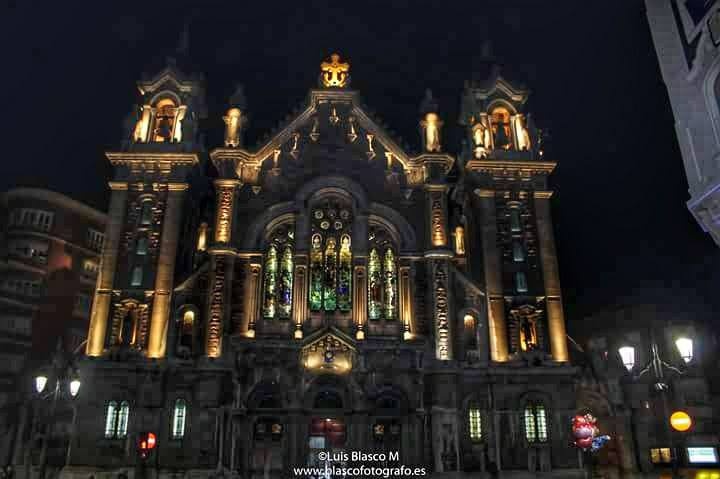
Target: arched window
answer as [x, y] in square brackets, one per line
[535, 421]
[146, 212]
[382, 276]
[178, 420]
[500, 119]
[331, 258]
[187, 330]
[475, 423]
[116, 420]
[521, 285]
[165, 114]
[278, 276]
[137, 276]
[142, 246]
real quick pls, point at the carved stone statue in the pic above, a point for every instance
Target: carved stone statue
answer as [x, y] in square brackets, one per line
[481, 140]
[522, 134]
[234, 119]
[431, 123]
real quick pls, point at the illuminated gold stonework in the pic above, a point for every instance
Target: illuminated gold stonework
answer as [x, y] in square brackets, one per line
[334, 73]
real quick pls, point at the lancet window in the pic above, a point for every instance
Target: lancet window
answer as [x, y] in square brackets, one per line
[382, 276]
[331, 258]
[278, 274]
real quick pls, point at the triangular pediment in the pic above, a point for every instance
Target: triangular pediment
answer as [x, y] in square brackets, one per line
[331, 332]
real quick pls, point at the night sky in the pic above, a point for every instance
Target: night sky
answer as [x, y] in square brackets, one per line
[623, 231]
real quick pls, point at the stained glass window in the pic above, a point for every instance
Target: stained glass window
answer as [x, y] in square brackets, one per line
[331, 258]
[515, 224]
[345, 274]
[382, 276]
[278, 275]
[390, 285]
[316, 273]
[122, 420]
[521, 285]
[374, 285]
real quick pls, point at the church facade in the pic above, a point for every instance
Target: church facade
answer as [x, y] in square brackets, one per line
[326, 291]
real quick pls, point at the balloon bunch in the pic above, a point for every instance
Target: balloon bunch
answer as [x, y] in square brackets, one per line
[586, 433]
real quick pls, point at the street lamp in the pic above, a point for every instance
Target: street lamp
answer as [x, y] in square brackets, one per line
[64, 373]
[657, 366]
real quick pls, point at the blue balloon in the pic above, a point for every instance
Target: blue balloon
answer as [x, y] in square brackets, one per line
[598, 442]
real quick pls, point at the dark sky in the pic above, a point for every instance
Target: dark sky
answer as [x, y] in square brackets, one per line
[623, 231]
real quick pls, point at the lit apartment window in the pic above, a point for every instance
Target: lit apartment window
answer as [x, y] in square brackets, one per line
[95, 239]
[32, 218]
[660, 455]
[475, 424]
[116, 420]
[90, 268]
[137, 276]
[35, 251]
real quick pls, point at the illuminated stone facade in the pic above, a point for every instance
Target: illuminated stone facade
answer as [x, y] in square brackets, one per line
[330, 304]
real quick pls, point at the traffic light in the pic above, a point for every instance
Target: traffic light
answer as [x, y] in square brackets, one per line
[146, 444]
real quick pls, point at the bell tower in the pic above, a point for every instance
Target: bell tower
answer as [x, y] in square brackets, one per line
[508, 176]
[131, 308]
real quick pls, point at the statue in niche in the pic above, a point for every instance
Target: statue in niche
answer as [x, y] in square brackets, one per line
[528, 334]
[481, 139]
[431, 123]
[522, 134]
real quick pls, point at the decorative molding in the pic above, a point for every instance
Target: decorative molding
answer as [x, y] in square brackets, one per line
[443, 346]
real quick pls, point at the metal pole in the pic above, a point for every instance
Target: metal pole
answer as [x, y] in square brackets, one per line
[71, 436]
[48, 429]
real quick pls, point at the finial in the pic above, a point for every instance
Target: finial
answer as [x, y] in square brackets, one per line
[333, 73]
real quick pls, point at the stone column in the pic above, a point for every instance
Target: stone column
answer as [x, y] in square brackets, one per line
[551, 277]
[225, 206]
[359, 284]
[165, 270]
[103, 292]
[251, 295]
[437, 205]
[406, 302]
[299, 293]
[493, 280]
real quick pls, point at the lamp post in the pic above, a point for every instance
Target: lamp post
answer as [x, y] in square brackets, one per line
[64, 372]
[657, 367]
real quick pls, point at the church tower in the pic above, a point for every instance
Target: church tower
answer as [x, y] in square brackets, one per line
[160, 150]
[506, 175]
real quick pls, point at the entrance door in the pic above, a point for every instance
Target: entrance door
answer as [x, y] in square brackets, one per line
[326, 435]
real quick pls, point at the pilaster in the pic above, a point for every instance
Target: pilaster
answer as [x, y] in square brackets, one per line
[551, 277]
[104, 286]
[299, 294]
[493, 276]
[165, 271]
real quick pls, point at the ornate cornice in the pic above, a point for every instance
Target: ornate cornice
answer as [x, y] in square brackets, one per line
[501, 168]
[139, 158]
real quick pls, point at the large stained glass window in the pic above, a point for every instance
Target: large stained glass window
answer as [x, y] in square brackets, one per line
[382, 276]
[278, 274]
[331, 258]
